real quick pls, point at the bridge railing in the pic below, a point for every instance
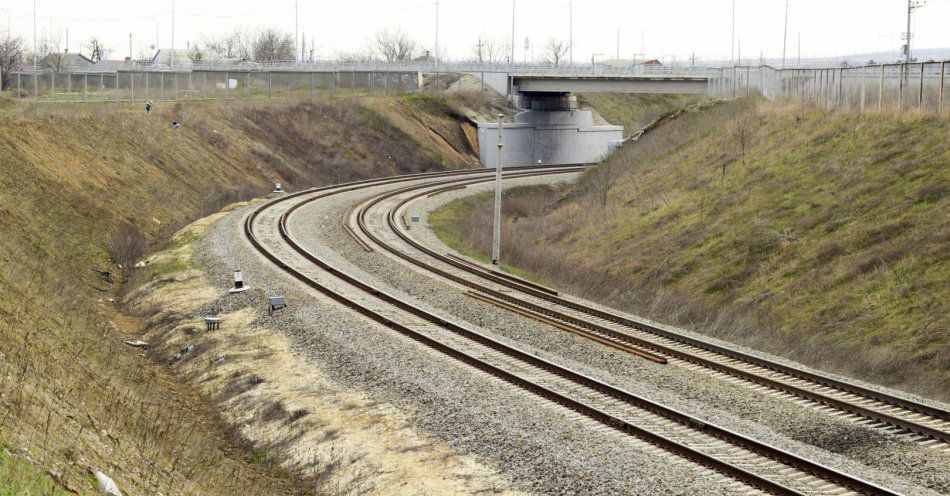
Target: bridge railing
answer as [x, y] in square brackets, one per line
[918, 86]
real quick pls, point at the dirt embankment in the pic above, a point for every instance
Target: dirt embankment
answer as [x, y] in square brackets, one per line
[84, 186]
[819, 236]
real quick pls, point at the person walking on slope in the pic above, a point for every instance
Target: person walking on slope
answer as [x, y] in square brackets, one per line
[148, 106]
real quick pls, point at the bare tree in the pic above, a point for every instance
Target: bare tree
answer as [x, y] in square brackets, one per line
[50, 53]
[357, 56]
[233, 45]
[554, 51]
[95, 49]
[11, 57]
[488, 51]
[394, 45]
[603, 179]
[271, 45]
[195, 54]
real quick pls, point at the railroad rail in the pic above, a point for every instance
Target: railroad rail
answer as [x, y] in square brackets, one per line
[757, 464]
[929, 426]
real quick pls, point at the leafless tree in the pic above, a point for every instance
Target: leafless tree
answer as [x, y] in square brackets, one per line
[271, 45]
[488, 51]
[394, 45]
[50, 53]
[95, 49]
[603, 179]
[233, 45]
[11, 57]
[554, 51]
[195, 54]
[357, 56]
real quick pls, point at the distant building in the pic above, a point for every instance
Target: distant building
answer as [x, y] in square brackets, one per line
[653, 63]
[630, 63]
[76, 61]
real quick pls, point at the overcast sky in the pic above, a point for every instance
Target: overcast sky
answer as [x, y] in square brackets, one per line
[670, 28]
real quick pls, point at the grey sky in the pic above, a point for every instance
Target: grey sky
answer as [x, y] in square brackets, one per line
[657, 28]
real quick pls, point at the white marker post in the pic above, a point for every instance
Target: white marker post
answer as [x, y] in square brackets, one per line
[496, 231]
[277, 188]
[239, 286]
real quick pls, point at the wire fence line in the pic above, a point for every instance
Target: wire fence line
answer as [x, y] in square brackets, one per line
[900, 86]
[918, 86]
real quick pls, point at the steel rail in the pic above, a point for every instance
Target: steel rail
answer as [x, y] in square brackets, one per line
[735, 439]
[545, 294]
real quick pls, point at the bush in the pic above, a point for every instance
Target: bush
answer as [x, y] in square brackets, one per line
[127, 245]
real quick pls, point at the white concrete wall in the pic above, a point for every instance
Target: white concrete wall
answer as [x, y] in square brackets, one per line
[554, 138]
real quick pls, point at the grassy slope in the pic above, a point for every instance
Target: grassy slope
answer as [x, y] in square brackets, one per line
[633, 112]
[823, 237]
[70, 392]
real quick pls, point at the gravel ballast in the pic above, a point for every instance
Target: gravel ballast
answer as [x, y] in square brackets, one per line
[543, 447]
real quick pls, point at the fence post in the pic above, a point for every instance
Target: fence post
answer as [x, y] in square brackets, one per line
[161, 84]
[333, 84]
[864, 78]
[943, 67]
[116, 86]
[247, 84]
[102, 83]
[52, 86]
[36, 86]
[146, 73]
[840, 87]
[311, 84]
[353, 81]
[372, 82]
[69, 86]
[900, 94]
[920, 95]
[270, 81]
[191, 83]
[85, 87]
[880, 92]
[735, 75]
[227, 85]
[131, 86]
[19, 91]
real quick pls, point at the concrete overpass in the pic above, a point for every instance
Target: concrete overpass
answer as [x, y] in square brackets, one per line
[609, 84]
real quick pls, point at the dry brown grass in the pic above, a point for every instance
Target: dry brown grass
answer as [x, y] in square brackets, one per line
[71, 393]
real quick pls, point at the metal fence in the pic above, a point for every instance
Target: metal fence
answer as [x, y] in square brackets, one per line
[915, 86]
[191, 85]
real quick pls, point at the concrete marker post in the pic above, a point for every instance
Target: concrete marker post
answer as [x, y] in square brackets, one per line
[496, 224]
[227, 85]
[239, 286]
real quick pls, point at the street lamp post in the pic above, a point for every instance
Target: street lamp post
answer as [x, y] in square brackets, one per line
[496, 225]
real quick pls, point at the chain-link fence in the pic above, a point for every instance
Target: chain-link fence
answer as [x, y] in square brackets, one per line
[170, 85]
[914, 86]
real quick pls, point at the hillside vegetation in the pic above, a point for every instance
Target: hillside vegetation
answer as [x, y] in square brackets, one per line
[86, 192]
[820, 236]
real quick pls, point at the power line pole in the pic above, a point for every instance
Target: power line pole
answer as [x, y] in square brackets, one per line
[496, 224]
[799, 49]
[618, 44]
[912, 5]
[732, 43]
[436, 54]
[512, 32]
[296, 28]
[570, 40]
[130, 48]
[785, 35]
[172, 60]
[35, 51]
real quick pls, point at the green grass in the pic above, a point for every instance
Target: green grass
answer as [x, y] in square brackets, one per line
[19, 478]
[826, 239]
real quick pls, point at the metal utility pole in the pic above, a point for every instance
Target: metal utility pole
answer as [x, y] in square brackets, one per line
[785, 35]
[618, 44]
[35, 51]
[912, 5]
[496, 225]
[512, 33]
[799, 49]
[570, 40]
[296, 29]
[732, 44]
[130, 48]
[436, 53]
[172, 60]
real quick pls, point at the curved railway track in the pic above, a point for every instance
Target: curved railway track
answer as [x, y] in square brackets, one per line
[759, 465]
[924, 424]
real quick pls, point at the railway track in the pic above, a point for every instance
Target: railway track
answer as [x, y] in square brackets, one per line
[922, 424]
[761, 467]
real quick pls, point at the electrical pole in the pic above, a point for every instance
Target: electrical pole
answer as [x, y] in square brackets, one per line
[570, 40]
[799, 49]
[130, 48]
[436, 53]
[732, 44]
[618, 44]
[172, 60]
[34, 36]
[912, 5]
[785, 35]
[512, 32]
[296, 29]
[496, 225]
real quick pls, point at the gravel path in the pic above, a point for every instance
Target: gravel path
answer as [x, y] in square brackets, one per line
[484, 416]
